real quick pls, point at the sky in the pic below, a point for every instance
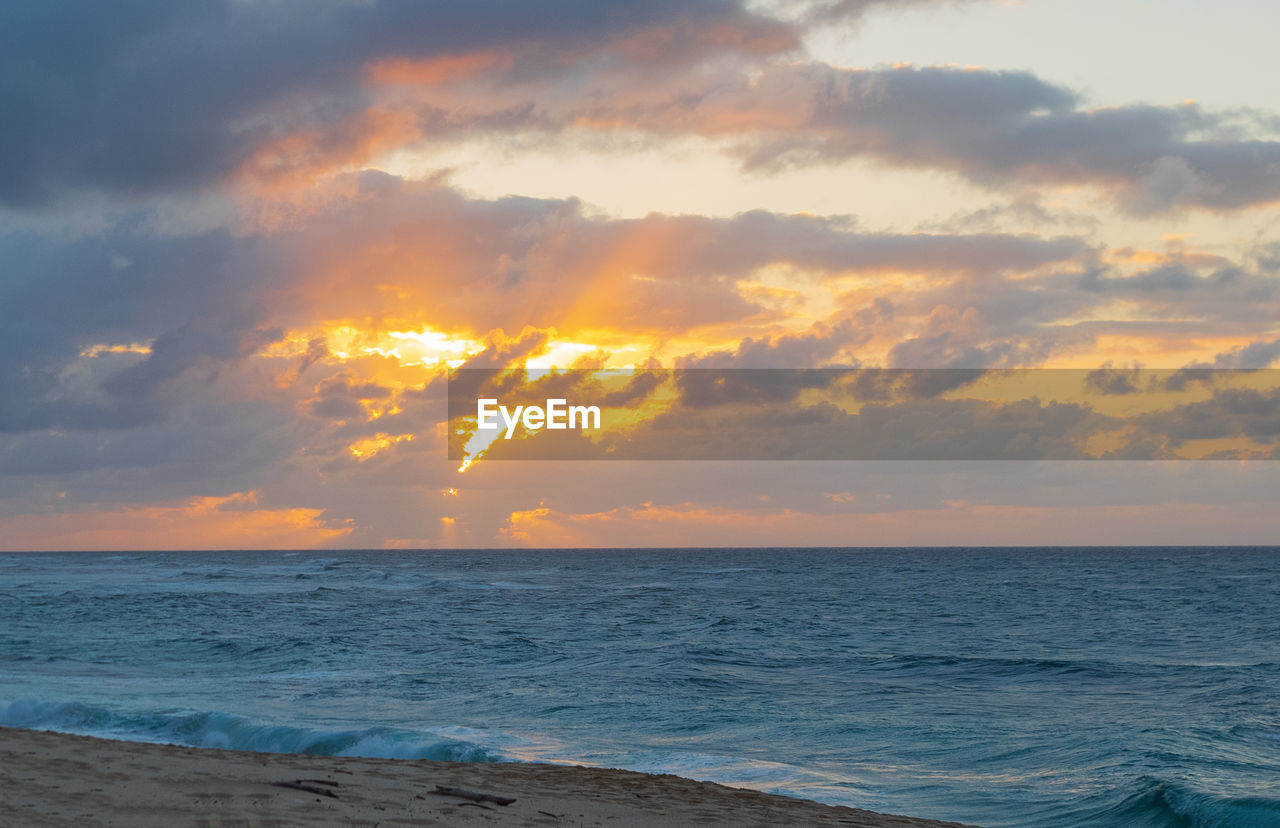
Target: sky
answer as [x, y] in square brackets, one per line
[242, 242]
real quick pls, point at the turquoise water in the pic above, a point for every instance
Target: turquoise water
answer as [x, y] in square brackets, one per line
[1050, 687]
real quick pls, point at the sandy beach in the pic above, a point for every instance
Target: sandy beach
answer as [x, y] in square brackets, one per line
[55, 779]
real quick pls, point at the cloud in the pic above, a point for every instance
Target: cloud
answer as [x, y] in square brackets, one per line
[1230, 413]
[229, 522]
[149, 96]
[176, 302]
[1011, 129]
[549, 263]
[388, 254]
[1182, 289]
[908, 430]
[891, 414]
[1113, 381]
[817, 346]
[958, 522]
[817, 414]
[1252, 357]
[340, 398]
[177, 350]
[826, 11]
[1006, 130]
[189, 98]
[202, 295]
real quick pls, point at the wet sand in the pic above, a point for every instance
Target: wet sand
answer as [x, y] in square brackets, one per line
[54, 779]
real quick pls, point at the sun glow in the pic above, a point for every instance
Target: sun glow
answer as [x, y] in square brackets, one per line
[427, 347]
[371, 446]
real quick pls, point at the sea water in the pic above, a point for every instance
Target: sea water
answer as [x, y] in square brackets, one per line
[1036, 687]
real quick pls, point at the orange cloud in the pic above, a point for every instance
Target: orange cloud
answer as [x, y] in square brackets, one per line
[287, 166]
[433, 71]
[232, 522]
[954, 523]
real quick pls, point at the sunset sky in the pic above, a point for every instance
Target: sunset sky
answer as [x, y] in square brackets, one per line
[241, 243]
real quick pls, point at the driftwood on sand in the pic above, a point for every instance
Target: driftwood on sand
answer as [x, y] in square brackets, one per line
[309, 785]
[474, 796]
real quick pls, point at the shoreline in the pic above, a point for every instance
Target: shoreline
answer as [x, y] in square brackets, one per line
[58, 779]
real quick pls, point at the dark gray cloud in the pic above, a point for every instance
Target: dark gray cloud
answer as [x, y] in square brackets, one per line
[996, 347]
[1010, 128]
[708, 387]
[147, 96]
[834, 244]
[339, 398]
[881, 385]
[211, 441]
[1252, 357]
[191, 299]
[640, 386]
[220, 339]
[1023, 210]
[810, 349]
[822, 11]
[1181, 290]
[993, 321]
[1113, 381]
[1230, 413]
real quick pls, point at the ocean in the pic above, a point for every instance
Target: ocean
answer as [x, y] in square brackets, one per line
[1002, 687]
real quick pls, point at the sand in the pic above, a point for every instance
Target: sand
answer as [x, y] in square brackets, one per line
[59, 779]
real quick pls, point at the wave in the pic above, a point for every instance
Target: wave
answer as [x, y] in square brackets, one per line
[758, 774]
[228, 731]
[996, 666]
[1096, 668]
[1158, 803]
[1147, 803]
[450, 743]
